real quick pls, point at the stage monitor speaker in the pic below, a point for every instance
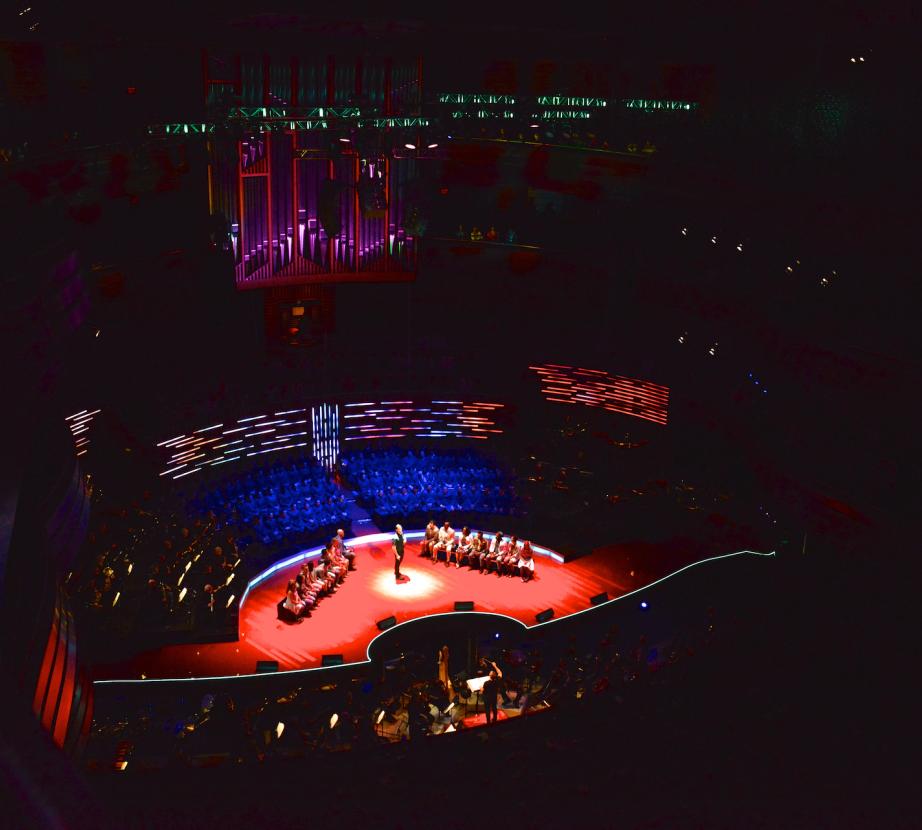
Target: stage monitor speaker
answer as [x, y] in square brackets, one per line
[599, 599]
[545, 615]
[266, 666]
[465, 605]
[331, 660]
[386, 623]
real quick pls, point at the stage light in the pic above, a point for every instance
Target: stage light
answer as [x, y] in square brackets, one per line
[682, 337]
[861, 59]
[380, 717]
[182, 594]
[714, 240]
[739, 247]
[713, 350]
[334, 720]
[279, 729]
[230, 599]
[410, 146]
[496, 636]
[684, 231]
[345, 140]
[644, 605]
[533, 126]
[432, 146]
[852, 60]
[117, 595]
[97, 333]
[130, 566]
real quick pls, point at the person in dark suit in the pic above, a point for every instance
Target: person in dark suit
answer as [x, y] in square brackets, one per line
[398, 545]
[491, 692]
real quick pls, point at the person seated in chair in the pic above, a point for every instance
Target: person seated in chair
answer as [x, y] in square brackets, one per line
[336, 557]
[348, 553]
[509, 563]
[462, 552]
[445, 543]
[479, 549]
[526, 563]
[293, 602]
[304, 592]
[497, 548]
[432, 537]
[311, 580]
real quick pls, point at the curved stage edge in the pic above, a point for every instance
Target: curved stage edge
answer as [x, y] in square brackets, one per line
[346, 623]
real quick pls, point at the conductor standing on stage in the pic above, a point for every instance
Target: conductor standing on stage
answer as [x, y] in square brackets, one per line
[397, 544]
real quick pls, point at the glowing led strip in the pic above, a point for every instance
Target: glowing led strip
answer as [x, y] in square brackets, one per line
[416, 534]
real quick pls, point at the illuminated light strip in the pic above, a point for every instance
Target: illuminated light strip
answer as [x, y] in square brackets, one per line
[354, 416]
[263, 432]
[359, 404]
[75, 415]
[449, 402]
[167, 472]
[228, 444]
[208, 429]
[185, 441]
[209, 441]
[82, 452]
[230, 431]
[171, 441]
[223, 460]
[289, 412]
[396, 402]
[188, 472]
[183, 455]
[382, 537]
[254, 418]
[239, 449]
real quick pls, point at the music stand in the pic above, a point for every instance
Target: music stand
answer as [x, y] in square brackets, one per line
[475, 684]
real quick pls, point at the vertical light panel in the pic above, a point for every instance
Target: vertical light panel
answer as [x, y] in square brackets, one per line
[325, 422]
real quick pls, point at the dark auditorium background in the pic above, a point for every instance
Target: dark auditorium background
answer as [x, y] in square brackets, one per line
[716, 198]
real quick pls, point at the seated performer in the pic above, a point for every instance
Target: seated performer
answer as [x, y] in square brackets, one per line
[304, 591]
[462, 551]
[348, 553]
[337, 558]
[478, 550]
[497, 549]
[293, 601]
[526, 563]
[314, 585]
[509, 563]
[446, 542]
[432, 536]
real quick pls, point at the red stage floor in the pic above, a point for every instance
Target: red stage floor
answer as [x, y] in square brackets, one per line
[345, 623]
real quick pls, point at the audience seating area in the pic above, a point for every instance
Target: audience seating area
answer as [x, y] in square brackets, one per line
[279, 502]
[412, 484]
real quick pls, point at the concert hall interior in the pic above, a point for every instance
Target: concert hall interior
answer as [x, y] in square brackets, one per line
[477, 413]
